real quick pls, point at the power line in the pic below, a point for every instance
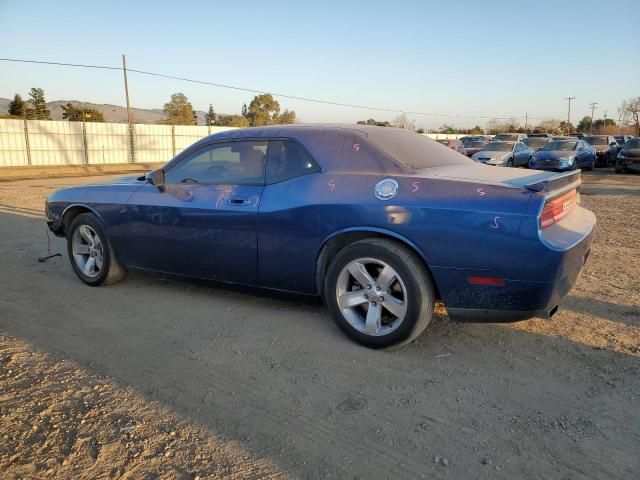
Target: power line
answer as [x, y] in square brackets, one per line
[282, 95]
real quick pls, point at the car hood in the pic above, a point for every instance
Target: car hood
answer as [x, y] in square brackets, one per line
[479, 173]
[554, 154]
[492, 154]
[635, 153]
[128, 180]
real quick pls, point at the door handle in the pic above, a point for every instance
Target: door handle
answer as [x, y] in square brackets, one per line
[239, 202]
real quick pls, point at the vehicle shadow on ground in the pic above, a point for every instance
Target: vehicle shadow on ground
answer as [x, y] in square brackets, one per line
[277, 376]
[610, 191]
[628, 314]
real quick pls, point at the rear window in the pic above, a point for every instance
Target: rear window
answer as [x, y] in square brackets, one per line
[596, 140]
[506, 137]
[416, 151]
[633, 144]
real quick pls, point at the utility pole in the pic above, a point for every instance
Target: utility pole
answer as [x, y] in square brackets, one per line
[569, 113]
[526, 120]
[593, 107]
[129, 116]
[604, 122]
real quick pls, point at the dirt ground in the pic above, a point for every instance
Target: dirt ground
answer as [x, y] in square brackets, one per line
[155, 378]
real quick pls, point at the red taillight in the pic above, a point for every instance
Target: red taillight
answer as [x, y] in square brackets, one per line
[557, 208]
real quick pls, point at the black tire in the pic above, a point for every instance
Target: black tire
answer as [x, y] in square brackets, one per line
[510, 163]
[112, 271]
[420, 292]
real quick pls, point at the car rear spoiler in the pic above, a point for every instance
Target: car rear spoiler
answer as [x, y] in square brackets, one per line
[561, 182]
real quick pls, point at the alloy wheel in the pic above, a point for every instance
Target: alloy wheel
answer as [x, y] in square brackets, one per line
[371, 296]
[88, 251]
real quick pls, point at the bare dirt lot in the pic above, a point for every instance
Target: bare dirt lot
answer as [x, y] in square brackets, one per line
[154, 378]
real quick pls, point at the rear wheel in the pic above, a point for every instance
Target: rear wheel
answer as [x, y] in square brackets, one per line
[510, 163]
[379, 293]
[91, 255]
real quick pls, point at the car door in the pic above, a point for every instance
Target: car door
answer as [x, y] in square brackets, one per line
[583, 156]
[288, 220]
[202, 221]
[518, 154]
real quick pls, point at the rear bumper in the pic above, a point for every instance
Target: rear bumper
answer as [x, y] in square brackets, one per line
[534, 282]
[497, 316]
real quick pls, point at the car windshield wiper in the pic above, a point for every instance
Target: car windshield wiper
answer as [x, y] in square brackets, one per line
[189, 180]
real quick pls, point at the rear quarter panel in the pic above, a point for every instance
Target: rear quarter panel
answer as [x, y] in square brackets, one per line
[452, 224]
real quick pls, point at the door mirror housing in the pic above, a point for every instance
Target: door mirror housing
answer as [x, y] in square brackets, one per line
[156, 178]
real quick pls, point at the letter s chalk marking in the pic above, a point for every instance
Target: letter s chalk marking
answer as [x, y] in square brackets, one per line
[332, 185]
[415, 186]
[494, 224]
[356, 147]
[481, 192]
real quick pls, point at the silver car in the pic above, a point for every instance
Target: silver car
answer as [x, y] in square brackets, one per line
[504, 154]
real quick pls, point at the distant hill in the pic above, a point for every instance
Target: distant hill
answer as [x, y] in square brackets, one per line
[112, 113]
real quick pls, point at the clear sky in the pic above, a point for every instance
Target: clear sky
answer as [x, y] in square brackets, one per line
[466, 58]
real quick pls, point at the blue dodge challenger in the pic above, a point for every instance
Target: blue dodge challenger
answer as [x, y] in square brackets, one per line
[378, 221]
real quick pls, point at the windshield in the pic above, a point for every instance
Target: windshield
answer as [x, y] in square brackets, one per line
[415, 150]
[633, 144]
[507, 137]
[559, 146]
[444, 142]
[477, 144]
[498, 147]
[596, 140]
[535, 142]
[466, 141]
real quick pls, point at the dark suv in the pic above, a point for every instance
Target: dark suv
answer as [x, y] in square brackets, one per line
[606, 149]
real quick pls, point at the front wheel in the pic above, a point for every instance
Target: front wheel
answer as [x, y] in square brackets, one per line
[510, 163]
[92, 258]
[379, 293]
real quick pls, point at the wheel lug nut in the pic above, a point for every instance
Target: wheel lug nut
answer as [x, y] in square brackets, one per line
[381, 299]
[378, 289]
[373, 304]
[366, 296]
[368, 287]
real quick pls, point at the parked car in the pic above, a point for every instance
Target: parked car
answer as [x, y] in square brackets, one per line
[475, 147]
[510, 137]
[606, 149]
[564, 137]
[373, 219]
[622, 140]
[542, 135]
[628, 160]
[454, 144]
[536, 143]
[504, 154]
[563, 155]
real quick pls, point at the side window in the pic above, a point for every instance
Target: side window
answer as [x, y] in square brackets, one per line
[288, 159]
[229, 163]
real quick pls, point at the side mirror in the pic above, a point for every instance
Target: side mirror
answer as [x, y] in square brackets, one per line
[156, 178]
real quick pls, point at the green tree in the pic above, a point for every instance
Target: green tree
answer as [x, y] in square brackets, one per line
[179, 111]
[477, 130]
[233, 121]
[18, 107]
[263, 110]
[78, 114]
[39, 109]
[288, 116]
[210, 116]
[584, 125]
